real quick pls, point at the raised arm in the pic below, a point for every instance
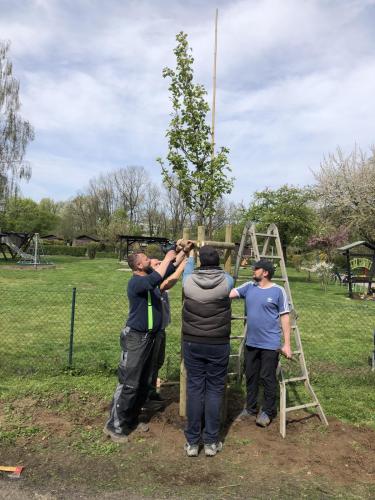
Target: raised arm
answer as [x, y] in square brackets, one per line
[173, 278]
[169, 257]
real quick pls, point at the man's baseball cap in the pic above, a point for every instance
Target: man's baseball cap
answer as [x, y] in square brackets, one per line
[266, 265]
[209, 256]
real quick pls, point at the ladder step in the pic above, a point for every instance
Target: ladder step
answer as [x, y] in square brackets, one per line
[238, 317]
[234, 355]
[236, 337]
[300, 407]
[293, 379]
[265, 234]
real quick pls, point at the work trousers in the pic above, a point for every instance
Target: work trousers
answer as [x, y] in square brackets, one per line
[261, 366]
[133, 375]
[157, 360]
[206, 367]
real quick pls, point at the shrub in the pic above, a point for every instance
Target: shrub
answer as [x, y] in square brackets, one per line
[91, 250]
[66, 250]
[296, 261]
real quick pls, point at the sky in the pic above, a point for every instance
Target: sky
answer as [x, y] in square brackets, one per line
[295, 80]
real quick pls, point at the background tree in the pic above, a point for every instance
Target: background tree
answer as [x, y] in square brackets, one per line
[176, 211]
[346, 187]
[199, 176]
[26, 215]
[131, 183]
[15, 133]
[289, 208]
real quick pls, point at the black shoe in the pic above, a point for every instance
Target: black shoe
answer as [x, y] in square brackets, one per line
[155, 396]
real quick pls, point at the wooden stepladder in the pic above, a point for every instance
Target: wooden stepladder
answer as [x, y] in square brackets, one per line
[267, 245]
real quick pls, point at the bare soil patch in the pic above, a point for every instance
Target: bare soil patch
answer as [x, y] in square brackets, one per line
[70, 454]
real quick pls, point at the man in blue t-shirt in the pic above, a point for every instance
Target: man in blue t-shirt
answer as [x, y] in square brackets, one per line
[267, 312]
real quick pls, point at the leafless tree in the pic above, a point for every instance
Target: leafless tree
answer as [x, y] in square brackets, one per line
[176, 211]
[131, 183]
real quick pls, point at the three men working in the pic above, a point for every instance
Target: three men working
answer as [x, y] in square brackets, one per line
[206, 325]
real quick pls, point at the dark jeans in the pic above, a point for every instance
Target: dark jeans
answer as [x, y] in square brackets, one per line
[260, 366]
[206, 366]
[133, 375]
[157, 360]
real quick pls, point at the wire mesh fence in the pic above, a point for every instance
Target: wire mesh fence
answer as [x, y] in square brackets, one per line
[47, 332]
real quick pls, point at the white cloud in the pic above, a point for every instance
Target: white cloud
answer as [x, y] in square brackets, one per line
[295, 79]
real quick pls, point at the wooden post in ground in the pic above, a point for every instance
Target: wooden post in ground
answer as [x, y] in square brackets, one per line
[186, 236]
[200, 240]
[228, 252]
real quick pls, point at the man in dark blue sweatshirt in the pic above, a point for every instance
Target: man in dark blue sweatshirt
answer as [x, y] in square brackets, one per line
[137, 340]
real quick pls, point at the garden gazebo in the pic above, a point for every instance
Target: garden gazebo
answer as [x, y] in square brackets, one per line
[360, 264]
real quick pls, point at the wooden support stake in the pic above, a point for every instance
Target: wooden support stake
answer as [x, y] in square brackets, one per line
[200, 240]
[228, 253]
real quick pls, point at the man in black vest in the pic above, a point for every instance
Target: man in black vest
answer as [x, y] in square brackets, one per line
[206, 325]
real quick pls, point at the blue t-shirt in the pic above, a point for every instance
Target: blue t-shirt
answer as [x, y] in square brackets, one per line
[264, 306]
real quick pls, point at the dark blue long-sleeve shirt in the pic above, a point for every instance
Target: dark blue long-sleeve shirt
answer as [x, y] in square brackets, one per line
[138, 289]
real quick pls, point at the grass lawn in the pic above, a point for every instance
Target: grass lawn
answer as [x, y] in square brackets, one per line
[35, 327]
[43, 402]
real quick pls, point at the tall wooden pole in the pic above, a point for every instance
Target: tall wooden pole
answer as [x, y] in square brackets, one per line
[186, 236]
[214, 88]
[213, 109]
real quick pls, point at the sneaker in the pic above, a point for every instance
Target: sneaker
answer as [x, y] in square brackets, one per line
[245, 415]
[211, 449]
[117, 437]
[192, 450]
[263, 419]
[142, 427]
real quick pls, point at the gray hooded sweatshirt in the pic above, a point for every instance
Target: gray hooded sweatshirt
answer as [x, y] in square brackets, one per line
[206, 313]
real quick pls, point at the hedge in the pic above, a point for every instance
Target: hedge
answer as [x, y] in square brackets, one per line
[66, 250]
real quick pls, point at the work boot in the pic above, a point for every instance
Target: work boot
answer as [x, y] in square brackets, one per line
[263, 419]
[211, 449]
[192, 450]
[155, 396]
[117, 437]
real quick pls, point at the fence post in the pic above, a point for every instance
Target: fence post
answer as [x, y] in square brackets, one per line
[373, 356]
[72, 315]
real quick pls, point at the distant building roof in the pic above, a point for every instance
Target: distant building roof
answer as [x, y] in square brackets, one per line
[51, 236]
[87, 237]
[146, 239]
[357, 244]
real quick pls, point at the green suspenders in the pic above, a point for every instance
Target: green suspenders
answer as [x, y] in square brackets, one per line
[150, 317]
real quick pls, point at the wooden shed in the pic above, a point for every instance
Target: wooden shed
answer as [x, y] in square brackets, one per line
[360, 264]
